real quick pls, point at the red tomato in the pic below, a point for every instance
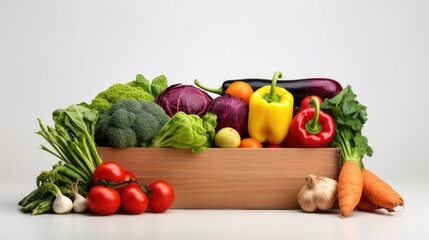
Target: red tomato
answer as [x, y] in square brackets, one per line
[103, 200]
[129, 175]
[133, 199]
[161, 196]
[305, 103]
[109, 171]
[274, 146]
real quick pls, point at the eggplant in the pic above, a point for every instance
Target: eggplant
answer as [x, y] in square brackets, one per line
[300, 88]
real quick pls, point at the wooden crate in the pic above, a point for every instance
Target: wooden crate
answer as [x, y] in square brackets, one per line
[230, 178]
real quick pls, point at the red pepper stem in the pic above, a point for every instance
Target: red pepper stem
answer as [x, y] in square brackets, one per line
[313, 126]
[272, 96]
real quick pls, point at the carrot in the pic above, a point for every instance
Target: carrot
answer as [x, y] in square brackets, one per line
[350, 184]
[350, 116]
[366, 205]
[379, 192]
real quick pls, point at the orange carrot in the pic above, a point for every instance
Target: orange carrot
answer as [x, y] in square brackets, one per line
[379, 192]
[350, 184]
[366, 205]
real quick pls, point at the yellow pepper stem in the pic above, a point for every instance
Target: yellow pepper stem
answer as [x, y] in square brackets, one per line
[272, 96]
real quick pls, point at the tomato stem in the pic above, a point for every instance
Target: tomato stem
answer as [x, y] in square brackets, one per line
[116, 185]
[145, 189]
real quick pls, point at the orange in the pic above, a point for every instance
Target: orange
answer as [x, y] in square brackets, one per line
[241, 90]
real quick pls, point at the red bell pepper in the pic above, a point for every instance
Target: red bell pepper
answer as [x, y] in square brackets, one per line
[311, 127]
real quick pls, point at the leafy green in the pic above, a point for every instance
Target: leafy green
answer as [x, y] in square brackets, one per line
[142, 82]
[78, 119]
[350, 116]
[158, 85]
[72, 141]
[187, 131]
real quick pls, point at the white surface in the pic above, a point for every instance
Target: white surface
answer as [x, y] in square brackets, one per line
[408, 223]
[56, 53]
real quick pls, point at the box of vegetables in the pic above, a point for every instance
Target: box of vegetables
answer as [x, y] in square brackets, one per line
[257, 144]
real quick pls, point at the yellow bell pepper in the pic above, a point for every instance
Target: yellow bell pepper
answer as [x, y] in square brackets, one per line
[270, 112]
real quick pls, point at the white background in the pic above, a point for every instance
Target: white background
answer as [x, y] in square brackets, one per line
[56, 53]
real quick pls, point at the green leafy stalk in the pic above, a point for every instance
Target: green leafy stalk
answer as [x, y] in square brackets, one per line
[28, 208]
[80, 121]
[350, 116]
[74, 173]
[72, 142]
[29, 198]
[44, 206]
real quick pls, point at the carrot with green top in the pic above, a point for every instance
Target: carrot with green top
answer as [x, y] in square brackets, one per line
[349, 116]
[357, 186]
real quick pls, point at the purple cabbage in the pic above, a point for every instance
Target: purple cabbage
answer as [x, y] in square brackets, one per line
[231, 112]
[184, 98]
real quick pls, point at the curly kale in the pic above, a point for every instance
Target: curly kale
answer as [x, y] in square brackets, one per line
[118, 92]
[138, 89]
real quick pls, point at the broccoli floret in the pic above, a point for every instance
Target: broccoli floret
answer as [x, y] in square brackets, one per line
[130, 123]
[118, 92]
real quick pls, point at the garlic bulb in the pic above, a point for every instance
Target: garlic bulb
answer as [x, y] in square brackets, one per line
[319, 193]
[80, 203]
[62, 204]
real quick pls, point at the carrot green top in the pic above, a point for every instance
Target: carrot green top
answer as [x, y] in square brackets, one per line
[350, 117]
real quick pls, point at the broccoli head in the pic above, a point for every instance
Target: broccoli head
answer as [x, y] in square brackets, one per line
[130, 123]
[118, 92]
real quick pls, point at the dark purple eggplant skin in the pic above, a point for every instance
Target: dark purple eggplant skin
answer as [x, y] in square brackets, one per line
[299, 88]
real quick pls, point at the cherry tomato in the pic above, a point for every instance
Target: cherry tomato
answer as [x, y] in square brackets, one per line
[103, 200]
[133, 199]
[108, 171]
[161, 196]
[305, 103]
[129, 175]
[250, 143]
